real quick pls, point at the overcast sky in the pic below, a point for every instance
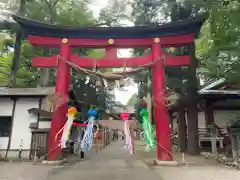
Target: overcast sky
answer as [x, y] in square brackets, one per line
[97, 6]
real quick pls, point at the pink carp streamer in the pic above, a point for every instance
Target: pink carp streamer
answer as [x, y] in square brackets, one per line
[128, 138]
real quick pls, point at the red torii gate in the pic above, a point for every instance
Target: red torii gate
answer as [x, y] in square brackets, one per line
[37, 36]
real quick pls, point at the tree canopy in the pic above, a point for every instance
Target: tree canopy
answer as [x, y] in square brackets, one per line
[217, 48]
[68, 12]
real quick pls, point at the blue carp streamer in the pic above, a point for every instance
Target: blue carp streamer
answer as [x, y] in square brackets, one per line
[86, 143]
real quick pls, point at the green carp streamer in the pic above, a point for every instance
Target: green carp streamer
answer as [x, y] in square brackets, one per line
[148, 131]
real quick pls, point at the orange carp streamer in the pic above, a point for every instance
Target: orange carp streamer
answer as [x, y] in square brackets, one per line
[72, 111]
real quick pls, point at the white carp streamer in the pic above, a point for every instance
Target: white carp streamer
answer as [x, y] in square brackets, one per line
[86, 143]
[66, 131]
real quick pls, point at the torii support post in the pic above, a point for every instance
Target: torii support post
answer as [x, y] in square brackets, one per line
[163, 133]
[59, 115]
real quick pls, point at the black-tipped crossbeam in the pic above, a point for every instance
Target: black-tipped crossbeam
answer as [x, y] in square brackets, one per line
[31, 27]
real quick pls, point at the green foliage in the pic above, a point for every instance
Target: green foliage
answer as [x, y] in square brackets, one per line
[218, 45]
[97, 53]
[67, 12]
[148, 13]
[5, 66]
[74, 13]
[114, 13]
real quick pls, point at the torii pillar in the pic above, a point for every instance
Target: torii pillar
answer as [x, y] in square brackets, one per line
[59, 116]
[163, 132]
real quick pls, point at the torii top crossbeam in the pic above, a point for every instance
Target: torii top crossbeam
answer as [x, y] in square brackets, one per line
[170, 29]
[154, 37]
[171, 34]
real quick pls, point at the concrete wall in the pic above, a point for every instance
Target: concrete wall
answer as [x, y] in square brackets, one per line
[44, 124]
[21, 133]
[201, 120]
[6, 108]
[221, 118]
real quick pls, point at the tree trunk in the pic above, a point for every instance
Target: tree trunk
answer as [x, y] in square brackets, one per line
[192, 113]
[17, 49]
[102, 95]
[84, 109]
[234, 142]
[44, 72]
[182, 128]
[209, 113]
[43, 77]
[15, 59]
[149, 101]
